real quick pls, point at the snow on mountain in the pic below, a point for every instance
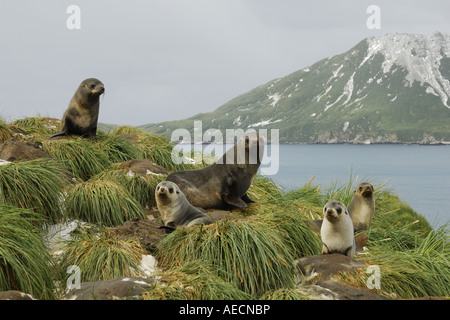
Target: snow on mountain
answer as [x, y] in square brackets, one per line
[421, 55]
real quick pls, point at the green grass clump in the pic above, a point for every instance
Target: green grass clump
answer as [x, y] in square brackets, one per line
[193, 281]
[117, 149]
[287, 294]
[102, 257]
[156, 148]
[5, 131]
[79, 156]
[38, 127]
[102, 202]
[25, 263]
[253, 256]
[141, 188]
[418, 272]
[36, 184]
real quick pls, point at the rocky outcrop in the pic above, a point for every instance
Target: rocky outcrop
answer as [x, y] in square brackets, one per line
[316, 276]
[14, 149]
[142, 167]
[15, 295]
[116, 289]
[148, 232]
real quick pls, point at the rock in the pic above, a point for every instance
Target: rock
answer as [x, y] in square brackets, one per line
[142, 167]
[316, 277]
[327, 265]
[14, 149]
[15, 295]
[148, 232]
[220, 215]
[345, 292]
[116, 289]
[361, 240]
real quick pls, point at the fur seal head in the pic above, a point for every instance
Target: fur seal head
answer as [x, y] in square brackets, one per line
[175, 210]
[337, 230]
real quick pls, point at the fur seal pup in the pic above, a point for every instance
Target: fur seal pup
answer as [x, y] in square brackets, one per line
[362, 206]
[337, 230]
[175, 210]
[81, 116]
[224, 184]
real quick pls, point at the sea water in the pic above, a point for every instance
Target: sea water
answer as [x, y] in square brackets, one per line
[418, 174]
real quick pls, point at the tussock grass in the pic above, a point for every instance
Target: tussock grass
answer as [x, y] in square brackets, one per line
[5, 131]
[141, 188]
[156, 148]
[38, 127]
[299, 238]
[102, 202]
[193, 281]
[25, 263]
[102, 257]
[253, 256]
[286, 294]
[117, 149]
[79, 156]
[36, 184]
[418, 272]
[264, 190]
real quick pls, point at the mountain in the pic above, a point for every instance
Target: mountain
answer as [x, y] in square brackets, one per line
[392, 89]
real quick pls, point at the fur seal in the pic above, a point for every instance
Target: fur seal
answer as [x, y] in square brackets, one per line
[81, 116]
[175, 210]
[224, 184]
[337, 230]
[362, 206]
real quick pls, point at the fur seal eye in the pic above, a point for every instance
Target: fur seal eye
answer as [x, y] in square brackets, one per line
[339, 210]
[171, 190]
[325, 209]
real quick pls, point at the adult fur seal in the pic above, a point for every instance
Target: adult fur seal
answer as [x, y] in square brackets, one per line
[337, 230]
[224, 184]
[81, 116]
[175, 210]
[362, 206]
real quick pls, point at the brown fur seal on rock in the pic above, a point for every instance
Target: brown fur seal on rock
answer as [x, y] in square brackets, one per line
[337, 230]
[81, 116]
[362, 206]
[175, 210]
[224, 184]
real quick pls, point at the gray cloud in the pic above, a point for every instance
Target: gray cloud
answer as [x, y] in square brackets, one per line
[170, 59]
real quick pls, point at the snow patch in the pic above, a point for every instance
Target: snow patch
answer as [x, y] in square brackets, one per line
[346, 124]
[263, 123]
[423, 62]
[275, 97]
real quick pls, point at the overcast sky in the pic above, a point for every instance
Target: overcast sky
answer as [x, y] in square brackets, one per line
[170, 59]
